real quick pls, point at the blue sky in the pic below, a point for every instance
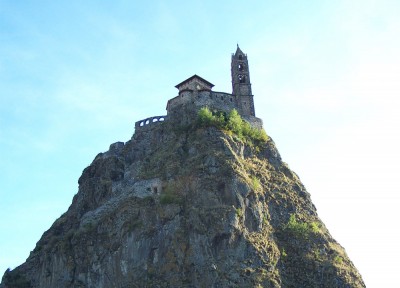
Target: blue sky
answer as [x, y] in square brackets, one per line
[76, 75]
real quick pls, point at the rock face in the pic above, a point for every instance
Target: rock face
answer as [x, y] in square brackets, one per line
[184, 206]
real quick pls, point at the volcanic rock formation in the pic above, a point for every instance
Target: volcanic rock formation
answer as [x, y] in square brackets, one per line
[188, 203]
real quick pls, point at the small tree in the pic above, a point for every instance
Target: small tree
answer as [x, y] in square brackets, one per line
[205, 116]
[235, 122]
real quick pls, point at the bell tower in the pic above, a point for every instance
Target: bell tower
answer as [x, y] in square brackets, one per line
[241, 86]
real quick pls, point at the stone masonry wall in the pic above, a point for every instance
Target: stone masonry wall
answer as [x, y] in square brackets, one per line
[214, 100]
[191, 101]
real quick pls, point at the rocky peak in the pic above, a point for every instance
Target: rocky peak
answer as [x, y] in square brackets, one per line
[196, 198]
[201, 208]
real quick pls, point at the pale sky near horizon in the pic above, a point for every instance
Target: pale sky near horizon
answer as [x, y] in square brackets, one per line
[76, 75]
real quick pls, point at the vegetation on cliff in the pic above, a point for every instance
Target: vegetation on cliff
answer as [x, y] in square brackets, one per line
[231, 122]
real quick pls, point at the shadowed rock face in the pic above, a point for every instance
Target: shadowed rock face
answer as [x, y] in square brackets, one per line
[187, 207]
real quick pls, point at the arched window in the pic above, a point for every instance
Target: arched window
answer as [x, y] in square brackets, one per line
[240, 57]
[240, 66]
[242, 78]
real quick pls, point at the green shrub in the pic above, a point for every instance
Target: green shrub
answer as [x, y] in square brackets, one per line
[315, 227]
[283, 253]
[239, 212]
[255, 183]
[338, 260]
[231, 122]
[235, 122]
[205, 117]
[301, 229]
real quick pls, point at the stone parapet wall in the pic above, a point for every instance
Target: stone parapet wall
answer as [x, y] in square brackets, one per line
[183, 108]
[149, 123]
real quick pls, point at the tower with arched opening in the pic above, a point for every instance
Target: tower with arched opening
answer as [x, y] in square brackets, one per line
[241, 86]
[196, 93]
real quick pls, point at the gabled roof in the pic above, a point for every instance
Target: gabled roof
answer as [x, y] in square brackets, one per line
[195, 77]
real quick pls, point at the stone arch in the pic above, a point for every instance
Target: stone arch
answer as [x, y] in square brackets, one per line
[150, 121]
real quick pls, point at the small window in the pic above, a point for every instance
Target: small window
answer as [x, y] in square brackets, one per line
[231, 99]
[147, 122]
[141, 123]
[240, 57]
[155, 190]
[222, 97]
